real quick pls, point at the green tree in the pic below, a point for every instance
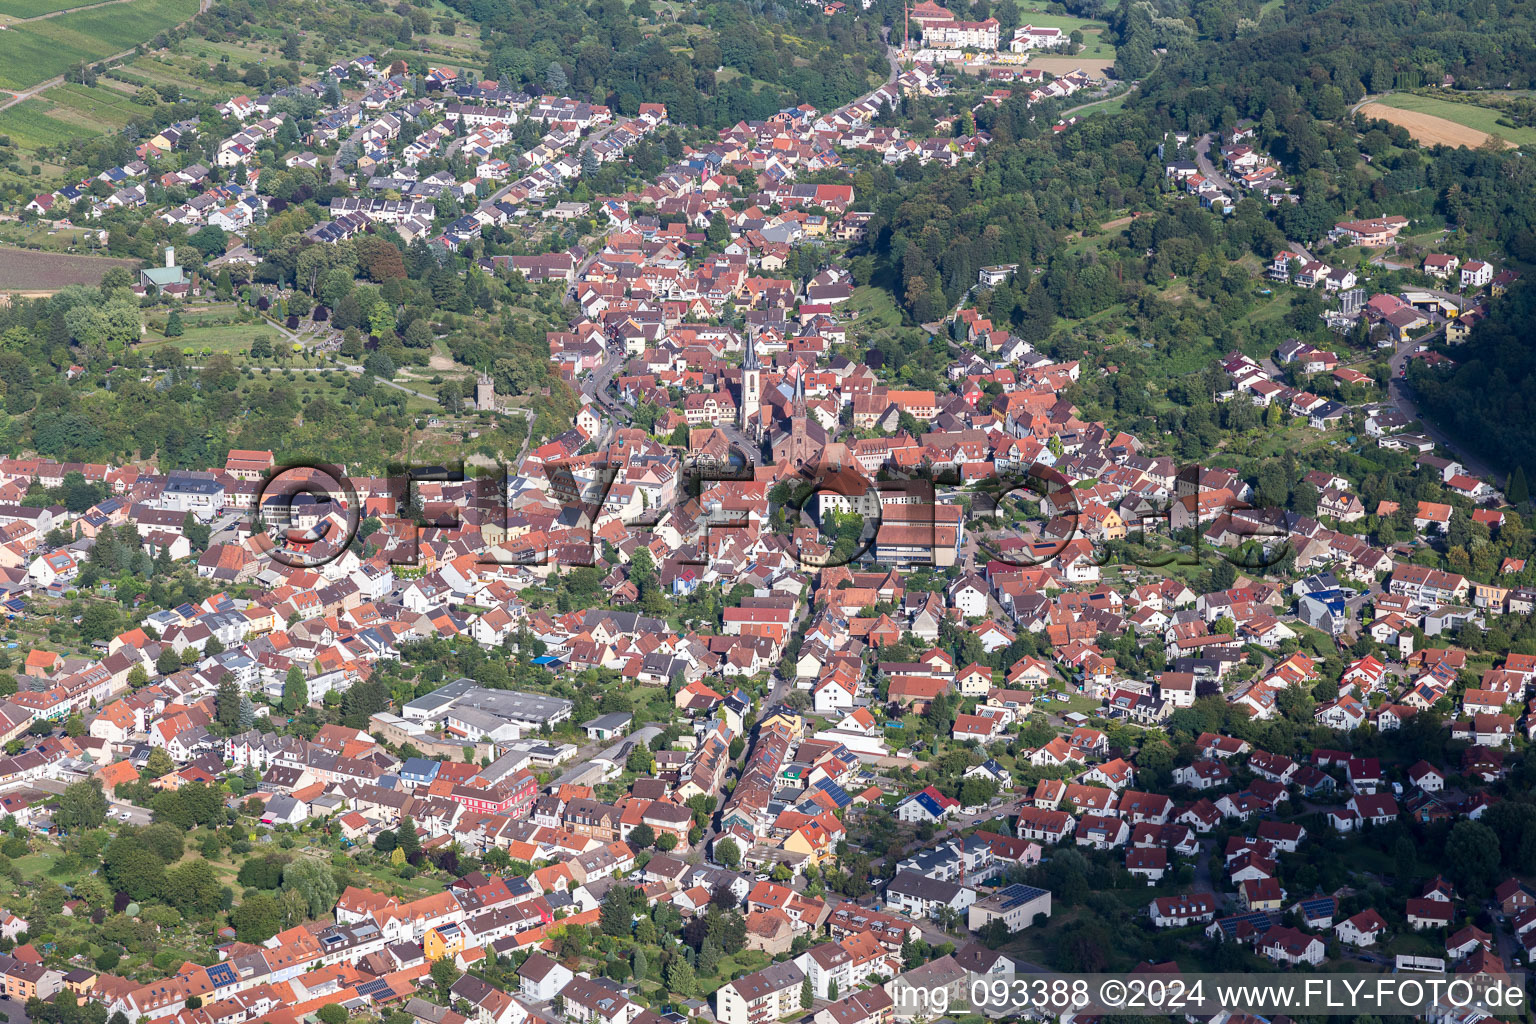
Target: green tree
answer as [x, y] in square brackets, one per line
[159, 764]
[295, 691]
[262, 872]
[173, 327]
[681, 978]
[100, 622]
[257, 918]
[226, 703]
[620, 905]
[727, 852]
[642, 837]
[1472, 856]
[807, 994]
[193, 888]
[196, 531]
[444, 974]
[132, 867]
[81, 806]
[641, 761]
[1518, 491]
[314, 881]
[709, 958]
[332, 1013]
[406, 840]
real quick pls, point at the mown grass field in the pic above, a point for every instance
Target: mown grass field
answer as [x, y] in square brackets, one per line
[40, 50]
[107, 106]
[1113, 105]
[1483, 119]
[231, 339]
[1036, 15]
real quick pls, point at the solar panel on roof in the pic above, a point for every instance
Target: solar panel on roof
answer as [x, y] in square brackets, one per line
[1018, 893]
[221, 975]
[837, 793]
[1260, 920]
[376, 989]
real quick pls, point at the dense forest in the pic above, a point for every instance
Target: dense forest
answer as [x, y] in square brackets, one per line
[714, 66]
[1486, 401]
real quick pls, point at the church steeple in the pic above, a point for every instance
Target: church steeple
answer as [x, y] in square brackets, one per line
[751, 386]
[798, 405]
[749, 361]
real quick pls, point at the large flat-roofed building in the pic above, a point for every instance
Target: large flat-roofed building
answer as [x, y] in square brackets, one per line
[529, 710]
[1017, 905]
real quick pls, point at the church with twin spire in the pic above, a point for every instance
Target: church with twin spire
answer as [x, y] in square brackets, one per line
[796, 442]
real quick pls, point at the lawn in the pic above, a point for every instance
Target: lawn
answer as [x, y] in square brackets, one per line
[1275, 306]
[36, 864]
[1267, 8]
[234, 339]
[40, 50]
[1113, 105]
[1036, 15]
[104, 104]
[1483, 119]
[878, 316]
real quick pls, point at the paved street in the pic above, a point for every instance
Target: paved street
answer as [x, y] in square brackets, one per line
[1401, 393]
[1208, 169]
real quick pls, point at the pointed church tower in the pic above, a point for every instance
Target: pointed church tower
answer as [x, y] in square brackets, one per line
[797, 408]
[751, 387]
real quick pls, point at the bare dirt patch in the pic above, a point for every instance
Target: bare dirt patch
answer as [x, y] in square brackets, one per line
[27, 270]
[1067, 65]
[1427, 129]
[437, 362]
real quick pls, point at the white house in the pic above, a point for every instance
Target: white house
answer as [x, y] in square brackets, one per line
[1476, 274]
[541, 978]
[969, 595]
[927, 805]
[1362, 930]
[919, 896]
